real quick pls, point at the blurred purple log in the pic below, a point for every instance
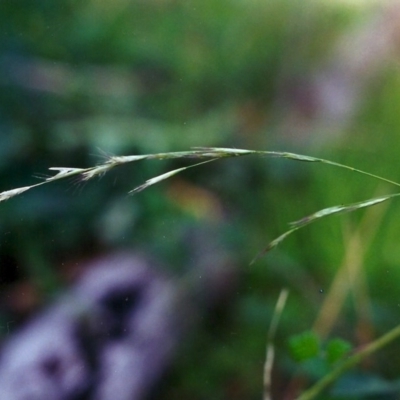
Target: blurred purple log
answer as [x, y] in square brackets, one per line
[110, 337]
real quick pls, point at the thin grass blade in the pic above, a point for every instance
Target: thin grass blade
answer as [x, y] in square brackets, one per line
[273, 244]
[321, 214]
[166, 175]
[341, 209]
[157, 179]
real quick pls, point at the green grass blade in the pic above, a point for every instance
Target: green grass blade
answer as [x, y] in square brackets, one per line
[166, 175]
[341, 209]
[322, 214]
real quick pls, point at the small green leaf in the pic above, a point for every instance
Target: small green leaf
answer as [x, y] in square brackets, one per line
[336, 349]
[304, 346]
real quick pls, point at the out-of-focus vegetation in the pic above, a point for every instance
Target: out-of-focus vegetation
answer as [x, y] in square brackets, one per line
[79, 78]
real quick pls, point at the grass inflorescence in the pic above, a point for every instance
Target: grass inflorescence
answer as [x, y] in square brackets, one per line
[210, 154]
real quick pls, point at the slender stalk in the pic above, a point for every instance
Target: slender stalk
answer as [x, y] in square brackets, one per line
[208, 155]
[359, 171]
[352, 361]
[213, 153]
[270, 351]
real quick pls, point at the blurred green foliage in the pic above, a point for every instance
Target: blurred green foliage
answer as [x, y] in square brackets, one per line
[79, 78]
[336, 349]
[304, 346]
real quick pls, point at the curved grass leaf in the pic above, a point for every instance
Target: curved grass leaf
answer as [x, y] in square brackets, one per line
[321, 214]
[341, 209]
[164, 176]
